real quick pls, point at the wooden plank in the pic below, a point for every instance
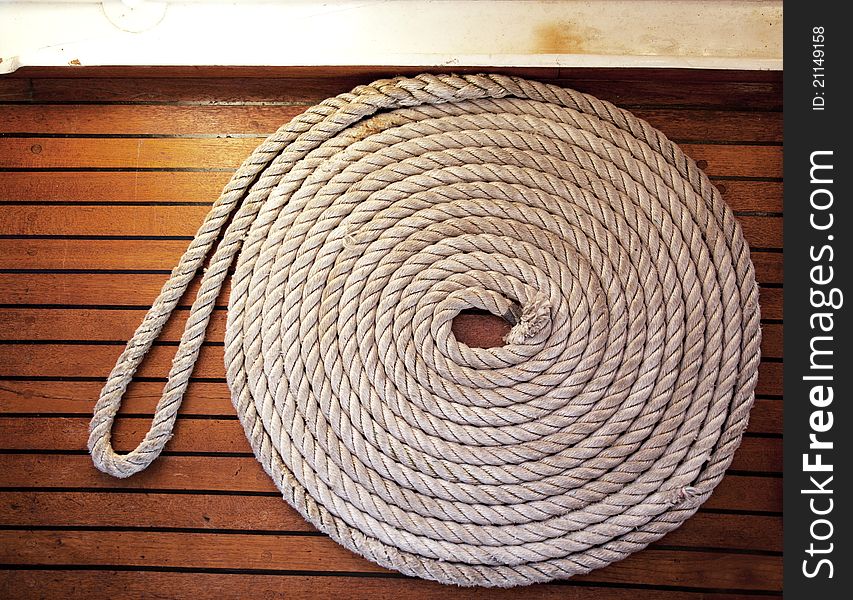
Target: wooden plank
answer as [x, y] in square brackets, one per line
[760, 231]
[125, 153]
[95, 289]
[178, 186]
[295, 90]
[14, 89]
[222, 473]
[120, 289]
[93, 324]
[740, 492]
[766, 416]
[36, 583]
[201, 511]
[71, 434]
[90, 254]
[266, 513]
[769, 379]
[685, 569]
[769, 268]
[758, 454]
[314, 553]
[736, 161]
[206, 399]
[108, 220]
[691, 125]
[70, 397]
[87, 119]
[245, 474]
[163, 254]
[184, 550]
[772, 340]
[228, 153]
[118, 325]
[634, 92]
[719, 95]
[757, 196]
[771, 302]
[82, 360]
[122, 186]
[214, 436]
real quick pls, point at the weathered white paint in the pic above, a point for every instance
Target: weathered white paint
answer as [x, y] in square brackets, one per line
[675, 33]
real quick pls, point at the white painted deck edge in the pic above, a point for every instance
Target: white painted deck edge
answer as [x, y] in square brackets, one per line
[727, 34]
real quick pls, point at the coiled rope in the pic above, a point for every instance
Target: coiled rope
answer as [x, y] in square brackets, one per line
[365, 225]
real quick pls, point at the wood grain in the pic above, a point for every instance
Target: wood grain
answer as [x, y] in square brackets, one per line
[121, 186]
[769, 379]
[14, 89]
[85, 119]
[125, 153]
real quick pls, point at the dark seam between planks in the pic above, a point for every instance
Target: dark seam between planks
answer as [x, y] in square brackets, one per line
[263, 136]
[83, 490]
[372, 575]
[319, 534]
[188, 454]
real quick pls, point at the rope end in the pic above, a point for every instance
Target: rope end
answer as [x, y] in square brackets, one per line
[535, 316]
[683, 496]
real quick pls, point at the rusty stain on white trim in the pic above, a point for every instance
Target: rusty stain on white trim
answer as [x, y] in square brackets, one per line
[728, 34]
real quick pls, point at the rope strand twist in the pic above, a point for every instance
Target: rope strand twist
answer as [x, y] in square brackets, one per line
[365, 225]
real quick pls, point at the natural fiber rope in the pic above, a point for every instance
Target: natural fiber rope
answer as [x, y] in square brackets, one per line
[366, 224]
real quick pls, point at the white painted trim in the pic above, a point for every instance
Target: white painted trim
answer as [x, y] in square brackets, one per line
[726, 34]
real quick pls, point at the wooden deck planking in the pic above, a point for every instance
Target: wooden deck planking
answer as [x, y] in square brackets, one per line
[683, 125]
[86, 240]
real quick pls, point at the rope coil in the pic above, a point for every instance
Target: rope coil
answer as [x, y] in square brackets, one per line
[365, 225]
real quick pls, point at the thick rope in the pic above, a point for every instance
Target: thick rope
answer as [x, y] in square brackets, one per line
[365, 225]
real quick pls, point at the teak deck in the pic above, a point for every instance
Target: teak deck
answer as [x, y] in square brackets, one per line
[105, 175]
